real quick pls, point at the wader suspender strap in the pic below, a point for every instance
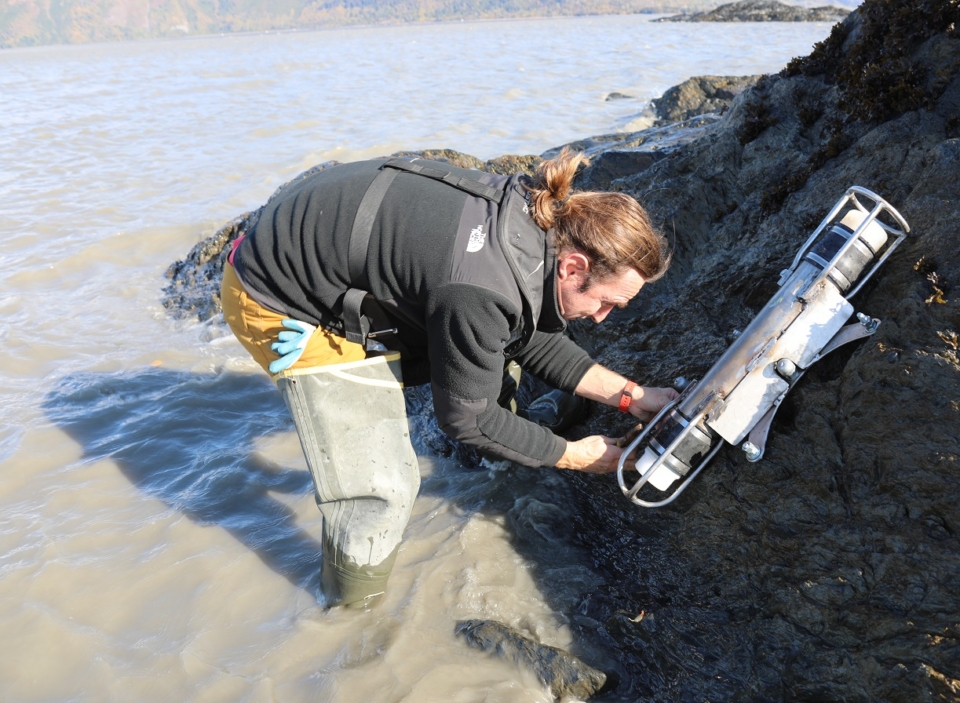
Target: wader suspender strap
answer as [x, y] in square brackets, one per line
[356, 325]
[465, 184]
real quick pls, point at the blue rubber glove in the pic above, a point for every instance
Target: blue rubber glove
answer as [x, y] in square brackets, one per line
[293, 341]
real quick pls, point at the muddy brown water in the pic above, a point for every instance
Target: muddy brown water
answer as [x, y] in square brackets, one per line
[158, 535]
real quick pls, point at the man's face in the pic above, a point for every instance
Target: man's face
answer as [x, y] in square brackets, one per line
[580, 297]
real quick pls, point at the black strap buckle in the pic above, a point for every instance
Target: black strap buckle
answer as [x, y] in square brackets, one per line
[356, 325]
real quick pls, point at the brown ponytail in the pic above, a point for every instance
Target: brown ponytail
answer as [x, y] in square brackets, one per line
[611, 228]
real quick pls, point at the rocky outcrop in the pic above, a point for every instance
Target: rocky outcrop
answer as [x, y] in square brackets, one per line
[830, 570]
[699, 95]
[761, 11]
[565, 675]
[678, 117]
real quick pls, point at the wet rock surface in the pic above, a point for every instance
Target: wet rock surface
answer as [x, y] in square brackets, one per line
[830, 570]
[699, 95]
[679, 116]
[565, 675]
[761, 11]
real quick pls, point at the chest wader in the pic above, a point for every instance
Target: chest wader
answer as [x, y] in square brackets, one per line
[353, 429]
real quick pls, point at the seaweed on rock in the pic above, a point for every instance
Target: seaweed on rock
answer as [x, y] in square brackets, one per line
[868, 57]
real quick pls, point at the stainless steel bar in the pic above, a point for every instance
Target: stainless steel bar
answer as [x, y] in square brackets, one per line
[846, 335]
[886, 255]
[904, 227]
[880, 205]
[816, 233]
[850, 196]
[640, 437]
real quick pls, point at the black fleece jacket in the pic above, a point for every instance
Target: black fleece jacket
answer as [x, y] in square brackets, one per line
[440, 271]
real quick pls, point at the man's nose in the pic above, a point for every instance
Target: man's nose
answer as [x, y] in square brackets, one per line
[601, 314]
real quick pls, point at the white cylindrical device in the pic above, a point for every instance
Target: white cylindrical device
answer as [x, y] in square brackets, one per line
[803, 321]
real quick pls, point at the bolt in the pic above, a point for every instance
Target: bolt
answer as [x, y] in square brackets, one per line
[786, 368]
[751, 450]
[870, 323]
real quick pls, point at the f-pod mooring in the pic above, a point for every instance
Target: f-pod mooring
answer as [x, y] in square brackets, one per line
[807, 318]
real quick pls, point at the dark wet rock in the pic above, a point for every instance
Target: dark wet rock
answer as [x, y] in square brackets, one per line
[194, 281]
[615, 156]
[762, 11]
[510, 164]
[563, 673]
[677, 117]
[612, 164]
[447, 156]
[699, 95]
[830, 570]
[505, 165]
[617, 96]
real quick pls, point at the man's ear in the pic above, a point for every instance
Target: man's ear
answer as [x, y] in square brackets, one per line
[572, 265]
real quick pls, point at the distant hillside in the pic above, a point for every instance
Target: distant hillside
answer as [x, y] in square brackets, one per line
[34, 22]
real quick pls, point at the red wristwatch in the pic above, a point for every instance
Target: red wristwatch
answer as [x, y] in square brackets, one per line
[626, 396]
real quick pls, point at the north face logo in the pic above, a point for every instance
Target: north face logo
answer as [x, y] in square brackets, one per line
[477, 238]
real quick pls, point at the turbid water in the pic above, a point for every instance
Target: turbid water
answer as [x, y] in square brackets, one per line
[158, 536]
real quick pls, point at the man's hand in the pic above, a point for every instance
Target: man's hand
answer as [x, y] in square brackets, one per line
[607, 387]
[647, 402]
[595, 455]
[292, 341]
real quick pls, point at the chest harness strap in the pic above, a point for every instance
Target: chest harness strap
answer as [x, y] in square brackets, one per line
[356, 324]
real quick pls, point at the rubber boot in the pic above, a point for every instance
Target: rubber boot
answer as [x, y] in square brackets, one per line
[352, 424]
[509, 386]
[557, 410]
[346, 583]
